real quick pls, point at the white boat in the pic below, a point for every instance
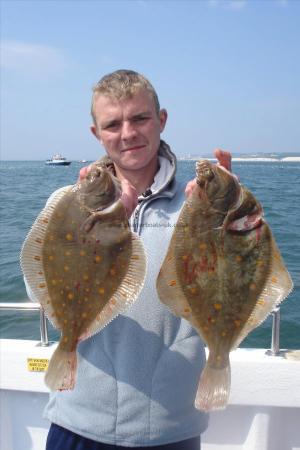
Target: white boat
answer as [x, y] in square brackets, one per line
[58, 160]
[263, 411]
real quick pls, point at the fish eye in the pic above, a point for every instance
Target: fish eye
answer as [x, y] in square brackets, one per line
[208, 173]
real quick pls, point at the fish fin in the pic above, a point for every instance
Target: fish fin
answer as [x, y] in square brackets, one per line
[214, 386]
[31, 258]
[127, 292]
[62, 369]
[169, 289]
[277, 287]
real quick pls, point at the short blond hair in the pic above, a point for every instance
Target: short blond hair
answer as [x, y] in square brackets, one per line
[123, 84]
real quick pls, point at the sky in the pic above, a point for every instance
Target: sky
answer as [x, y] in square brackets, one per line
[227, 71]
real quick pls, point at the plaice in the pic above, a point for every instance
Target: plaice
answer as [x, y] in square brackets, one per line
[83, 264]
[223, 273]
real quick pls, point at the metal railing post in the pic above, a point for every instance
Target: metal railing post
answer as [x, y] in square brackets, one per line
[44, 329]
[275, 341]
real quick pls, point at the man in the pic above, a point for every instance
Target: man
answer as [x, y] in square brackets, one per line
[137, 378]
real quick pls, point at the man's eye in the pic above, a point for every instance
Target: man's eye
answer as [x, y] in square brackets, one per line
[111, 126]
[140, 119]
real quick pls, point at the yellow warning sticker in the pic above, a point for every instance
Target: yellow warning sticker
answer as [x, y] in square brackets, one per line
[37, 364]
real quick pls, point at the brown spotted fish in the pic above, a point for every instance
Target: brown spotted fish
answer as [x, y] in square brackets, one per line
[83, 264]
[223, 273]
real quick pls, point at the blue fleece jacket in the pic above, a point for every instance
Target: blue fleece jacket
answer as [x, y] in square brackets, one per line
[137, 378]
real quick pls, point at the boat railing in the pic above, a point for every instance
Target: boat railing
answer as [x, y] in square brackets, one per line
[31, 306]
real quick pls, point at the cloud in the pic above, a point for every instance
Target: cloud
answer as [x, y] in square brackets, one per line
[34, 59]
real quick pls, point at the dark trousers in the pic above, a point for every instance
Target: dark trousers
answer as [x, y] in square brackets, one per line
[61, 439]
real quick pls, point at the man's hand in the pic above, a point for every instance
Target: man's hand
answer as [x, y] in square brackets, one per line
[224, 160]
[129, 196]
[84, 172]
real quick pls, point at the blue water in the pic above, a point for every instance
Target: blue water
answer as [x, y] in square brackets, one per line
[25, 186]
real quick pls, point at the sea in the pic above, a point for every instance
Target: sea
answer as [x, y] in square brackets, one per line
[25, 186]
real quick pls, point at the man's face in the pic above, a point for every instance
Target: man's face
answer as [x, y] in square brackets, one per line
[129, 129]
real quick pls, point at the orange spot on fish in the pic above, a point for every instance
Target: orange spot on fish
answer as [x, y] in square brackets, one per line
[202, 246]
[70, 296]
[54, 282]
[112, 272]
[101, 291]
[187, 310]
[42, 285]
[82, 253]
[252, 286]
[69, 237]
[238, 258]
[259, 262]
[51, 257]
[274, 280]
[84, 315]
[66, 268]
[193, 290]
[68, 253]
[65, 339]
[85, 277]
[237, 323]
[113, 301]
[184, 257]
[98, 258]
[218, 306]
[172, 283]
[224, 333]
[87, 289]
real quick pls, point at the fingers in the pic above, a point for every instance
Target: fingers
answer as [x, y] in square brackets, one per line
[129, 197]
[84, 172]
[224, 158]
[190, 187]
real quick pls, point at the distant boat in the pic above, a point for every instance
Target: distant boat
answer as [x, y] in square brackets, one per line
[58, 160]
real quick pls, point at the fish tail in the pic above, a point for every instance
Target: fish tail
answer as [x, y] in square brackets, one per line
[61, 371]
[214, 386]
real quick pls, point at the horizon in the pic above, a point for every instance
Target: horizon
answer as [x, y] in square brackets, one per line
[235, 156]
[227, 71]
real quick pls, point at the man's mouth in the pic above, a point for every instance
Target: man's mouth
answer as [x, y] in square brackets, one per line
[133, 148]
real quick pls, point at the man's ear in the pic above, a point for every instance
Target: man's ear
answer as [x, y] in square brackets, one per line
[163, 115]
[94, 130]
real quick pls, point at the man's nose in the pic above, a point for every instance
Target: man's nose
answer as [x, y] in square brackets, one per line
[128, 130]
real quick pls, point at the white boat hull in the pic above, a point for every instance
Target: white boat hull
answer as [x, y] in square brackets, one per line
[263, 411]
